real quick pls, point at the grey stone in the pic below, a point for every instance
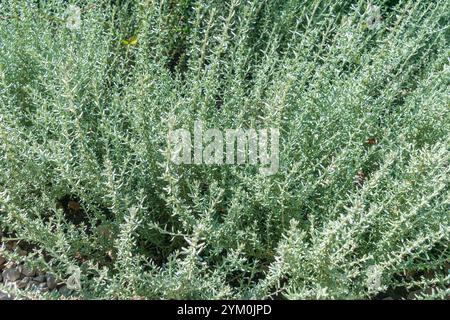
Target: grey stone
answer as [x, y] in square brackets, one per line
[64, 291]
[4, 296]
[28, 272]
[51, 281]
[39, 279]
[22, 284]
[11, 275]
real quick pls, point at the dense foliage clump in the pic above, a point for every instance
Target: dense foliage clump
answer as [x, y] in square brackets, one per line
[359, 91]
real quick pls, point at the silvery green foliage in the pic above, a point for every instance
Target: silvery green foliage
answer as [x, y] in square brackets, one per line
[360, 203]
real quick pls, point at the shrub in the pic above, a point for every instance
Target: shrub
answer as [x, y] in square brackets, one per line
[360, 203]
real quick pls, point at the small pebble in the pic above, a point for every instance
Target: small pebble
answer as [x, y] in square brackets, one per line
[27, 272]
[64, 291]
[22, 284]
[4, 296]
[51, 281]
[39, 279]
[11, 275]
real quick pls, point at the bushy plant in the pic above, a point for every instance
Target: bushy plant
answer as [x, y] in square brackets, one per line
[358, 207]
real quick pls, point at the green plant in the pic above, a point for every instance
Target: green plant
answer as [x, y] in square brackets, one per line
[360, 203]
